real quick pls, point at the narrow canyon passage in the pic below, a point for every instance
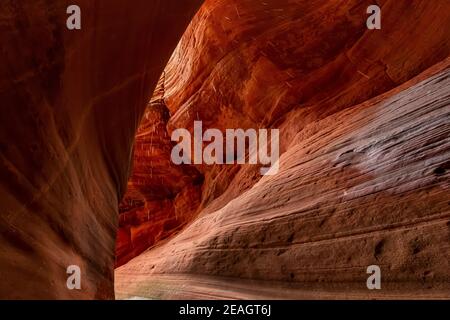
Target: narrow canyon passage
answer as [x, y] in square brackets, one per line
[88, 178]
[364, 136]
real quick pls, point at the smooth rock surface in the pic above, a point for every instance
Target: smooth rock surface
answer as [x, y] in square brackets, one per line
[295, 65]
[368, 185]
[71, 102]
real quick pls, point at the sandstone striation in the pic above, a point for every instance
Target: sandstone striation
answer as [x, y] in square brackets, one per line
[365, 140]
[87, 179]
[366, 185]
[70, 105]
[161, 197]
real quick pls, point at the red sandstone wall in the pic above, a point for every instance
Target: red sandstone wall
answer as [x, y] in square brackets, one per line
[364, 170]
[161, 197]
[365, 186]
[283, 64]
[71, 102]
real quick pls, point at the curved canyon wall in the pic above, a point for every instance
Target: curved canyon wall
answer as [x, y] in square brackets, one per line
[363, 116]
[161, 197]
[363, 179]
[70, 105]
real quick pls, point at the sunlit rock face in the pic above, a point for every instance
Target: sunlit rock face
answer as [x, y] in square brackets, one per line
[365, 186]
[252, 64]
[364, 128]
[71, 102]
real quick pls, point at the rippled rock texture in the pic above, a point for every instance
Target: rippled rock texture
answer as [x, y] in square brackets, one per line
[70, 105]
[367, 185]
[364, 122]
[161, 197]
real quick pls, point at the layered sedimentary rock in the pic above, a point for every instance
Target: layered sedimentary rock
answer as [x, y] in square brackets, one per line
[364, 172]
[161, 196]
[70, 105]
[259, 64]
[366, 186]
[363, 177]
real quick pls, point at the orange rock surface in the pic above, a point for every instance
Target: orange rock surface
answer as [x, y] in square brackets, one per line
[365, 140]
[161, 197]
[70, 105]
[86, 176]
[338, 205]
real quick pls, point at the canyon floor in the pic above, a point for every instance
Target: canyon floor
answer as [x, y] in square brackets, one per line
[192, 287]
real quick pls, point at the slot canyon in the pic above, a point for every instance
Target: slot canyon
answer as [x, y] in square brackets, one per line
[85, 145]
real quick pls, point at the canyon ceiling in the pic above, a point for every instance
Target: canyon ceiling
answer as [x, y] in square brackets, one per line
[364, 120]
